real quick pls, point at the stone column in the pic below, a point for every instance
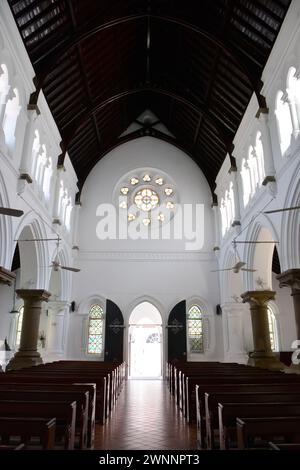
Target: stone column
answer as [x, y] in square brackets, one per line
[57, 311]
[28, 355]
[262, 356]
[233, 332]
[291, 278]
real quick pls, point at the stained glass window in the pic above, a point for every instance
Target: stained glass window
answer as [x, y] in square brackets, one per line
[146, 192]
[95, 338]
[195, 329]
[146, 199]
[19, 326]
[272, 330]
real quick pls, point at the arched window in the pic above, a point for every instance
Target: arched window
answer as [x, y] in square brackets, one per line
[47, 178]
[4, 88]
[245, 173]
[284, 120]
[40, 166]
[60, 199]
[95, 330]
[12, 111]
[195, 330]
[34, 151]
[259, 150]
[231, 207]
[223, 216]
[252, 162]
[68, 214]
[273, 330]
[293, 92]
[19, 326]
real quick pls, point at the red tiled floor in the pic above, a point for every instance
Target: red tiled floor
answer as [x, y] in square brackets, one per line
[145, 418]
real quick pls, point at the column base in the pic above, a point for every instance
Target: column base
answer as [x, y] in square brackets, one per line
[293, 369]
[22, 360]
[265, 360]
[239, 358]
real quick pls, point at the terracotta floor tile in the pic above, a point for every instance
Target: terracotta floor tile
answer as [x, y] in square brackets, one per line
[145, 418]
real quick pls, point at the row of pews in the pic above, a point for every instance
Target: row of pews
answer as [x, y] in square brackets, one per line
[56, 405]
[237, 406]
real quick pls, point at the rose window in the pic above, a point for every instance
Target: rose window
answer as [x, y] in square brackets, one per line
[146, 199]
[147, 196]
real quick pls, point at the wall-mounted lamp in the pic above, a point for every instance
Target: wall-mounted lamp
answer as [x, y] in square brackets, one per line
[42, 339]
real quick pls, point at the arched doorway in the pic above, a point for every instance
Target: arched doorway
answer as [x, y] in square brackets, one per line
[145, 342]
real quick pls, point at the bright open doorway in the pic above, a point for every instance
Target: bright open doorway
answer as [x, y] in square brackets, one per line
[145, 342]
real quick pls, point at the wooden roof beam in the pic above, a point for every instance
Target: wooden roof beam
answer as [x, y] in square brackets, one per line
[74, 126]
[45, 64]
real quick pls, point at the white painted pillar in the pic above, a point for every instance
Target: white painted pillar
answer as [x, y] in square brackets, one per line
[215, 209]
[6, 95]
[26, 169]
[236, 196]
[56, 329]
[289, 99]
[233, 332]
[57, 202]
[267, 147]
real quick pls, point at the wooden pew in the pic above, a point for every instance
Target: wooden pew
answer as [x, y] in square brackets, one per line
[82, 405]
[228, 412]
[12, 447]
[49, 388]
[212, 401]
[208, 396]
[26, 428]
[290, 446]
[251, 428]
[115, 372]
[238, 379]
[64, 412]
[53, 378]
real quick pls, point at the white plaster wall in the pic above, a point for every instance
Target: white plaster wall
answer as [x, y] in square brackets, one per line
[190, 185]
[283, 227]
[286, 316]
[17, 193]
[161, 270]
[158, 271]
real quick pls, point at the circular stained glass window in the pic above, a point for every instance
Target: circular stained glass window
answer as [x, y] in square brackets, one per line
[146, 199]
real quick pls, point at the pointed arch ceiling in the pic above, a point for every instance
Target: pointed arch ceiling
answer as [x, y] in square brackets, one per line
[194, 64]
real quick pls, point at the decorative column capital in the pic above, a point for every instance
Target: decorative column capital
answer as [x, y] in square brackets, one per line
[6, 276]
[233, 308]
[290, 278]
[33, 294]
[258, 297]
[57, 305]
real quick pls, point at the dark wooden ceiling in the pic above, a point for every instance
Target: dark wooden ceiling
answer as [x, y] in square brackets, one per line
[194, 64]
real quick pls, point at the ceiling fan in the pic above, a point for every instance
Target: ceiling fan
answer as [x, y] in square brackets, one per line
[239, 266]
[282, 210]
[56, 265]
[11, 212]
